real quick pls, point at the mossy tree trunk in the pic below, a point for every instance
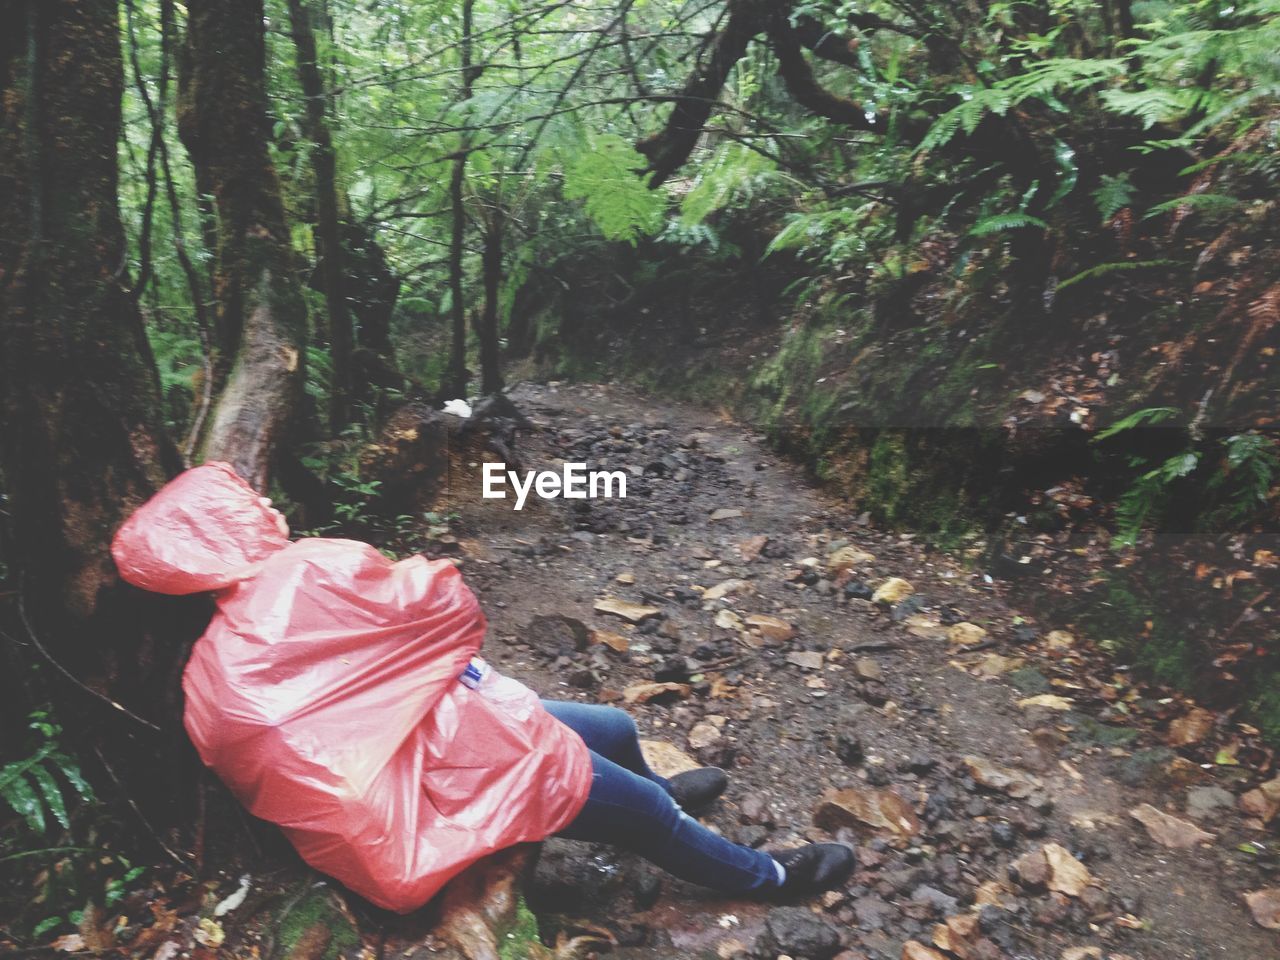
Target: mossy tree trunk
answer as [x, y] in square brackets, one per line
[329, 253]
[83, 438]
[223, 122]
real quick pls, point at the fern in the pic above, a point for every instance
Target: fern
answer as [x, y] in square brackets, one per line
[1113, 194]
[1151, 416]
[1157, 105]
[1148, 494]
[1043, 79]
[1108, 269]
[29, 786]
[731, 176]
[616, 199]
[1203, 202]
[1006, 221]
[977, 102]
[1251, 467]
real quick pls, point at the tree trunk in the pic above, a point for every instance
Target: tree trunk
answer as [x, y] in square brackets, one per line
[83, 439]
[223, 122]
[487, 327]
[329, 253]
[456, 377]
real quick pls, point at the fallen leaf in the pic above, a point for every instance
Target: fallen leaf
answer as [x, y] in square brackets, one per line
[644, 692]
[1190, 728]
[1265, 907]
[69, 943]
[878, 809]
[894, 590]
[210, 933]
[1059, 640]
[1050, 701]
[1168, 830]
[634, 612]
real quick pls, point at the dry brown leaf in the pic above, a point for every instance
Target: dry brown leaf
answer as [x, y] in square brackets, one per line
[728, 587]
[1190, 728]
[1000, 778]
[913, 950]
[772, 629]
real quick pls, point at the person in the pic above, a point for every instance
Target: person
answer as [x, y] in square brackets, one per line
[340, 695]
[632, 807]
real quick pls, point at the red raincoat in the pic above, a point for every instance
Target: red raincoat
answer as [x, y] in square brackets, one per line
[325, 694]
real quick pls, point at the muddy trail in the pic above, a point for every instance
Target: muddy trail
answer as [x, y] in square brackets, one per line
[1000, 807]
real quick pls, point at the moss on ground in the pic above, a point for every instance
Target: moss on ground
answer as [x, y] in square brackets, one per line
[317, 909]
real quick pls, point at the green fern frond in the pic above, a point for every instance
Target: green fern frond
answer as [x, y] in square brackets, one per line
[1113, 194]
[1107, 269]
[1005, 221]
[1202, 202]
[605, 178]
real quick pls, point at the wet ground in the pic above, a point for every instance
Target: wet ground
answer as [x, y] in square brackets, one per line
[989, 793]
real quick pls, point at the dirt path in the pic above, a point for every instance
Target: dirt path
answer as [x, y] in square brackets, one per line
[864, 696]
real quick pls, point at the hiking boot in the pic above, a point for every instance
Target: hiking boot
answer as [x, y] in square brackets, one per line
[814, 868]
[695, 790]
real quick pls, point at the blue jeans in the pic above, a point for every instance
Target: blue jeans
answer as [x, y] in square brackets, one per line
[629, 806]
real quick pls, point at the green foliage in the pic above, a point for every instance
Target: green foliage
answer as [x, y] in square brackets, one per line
[1003, 222]
[1113, 193]
[1248, 473]
[733, 175]
[1111, 269]
[37, 788]
[1148, 416]
[605, 177]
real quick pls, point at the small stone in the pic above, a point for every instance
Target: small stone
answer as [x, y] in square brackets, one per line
[724, 513]
[704, 734]
[867, 669]
[1265, 907]
[846, 558]
[633, 612]
[892, 591]
[727, 588]
[1169, 830]
[1263, 801]
[770, 628]
[858, 590]
[856, 807]
[806, 659]
[966, 634]
[914, 950]
[797, 931]
[1205, 802]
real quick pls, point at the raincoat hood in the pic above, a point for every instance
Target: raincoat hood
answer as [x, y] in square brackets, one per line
[206, 530]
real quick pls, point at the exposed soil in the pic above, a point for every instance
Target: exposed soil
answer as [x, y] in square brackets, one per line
[785, 722]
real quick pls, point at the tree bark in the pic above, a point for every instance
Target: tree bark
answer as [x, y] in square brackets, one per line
[669, 148]
[223, 122]
[83, 440]
[487, 326]
[329, 253]
[456, 377]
